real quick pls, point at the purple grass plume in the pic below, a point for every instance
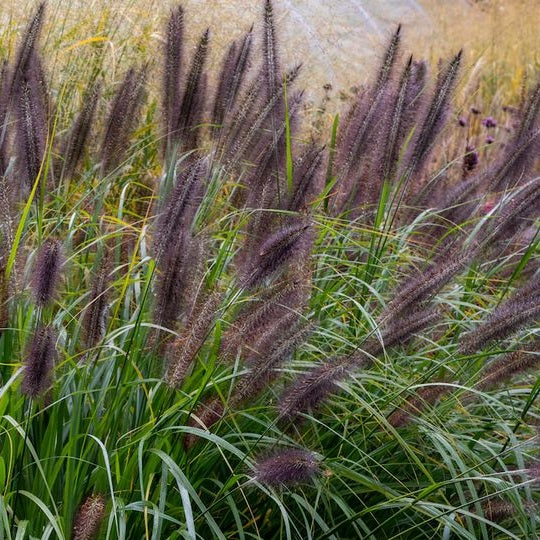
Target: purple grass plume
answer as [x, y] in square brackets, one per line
[277, 251]
[39, 362]
[286, 467]
[89, 517]
[47, 271]
[94, 316]
[75, 144]
[172, 72]
[310, 390]
[27, 46]
[122, 118]
[506, 366]
[504, 321]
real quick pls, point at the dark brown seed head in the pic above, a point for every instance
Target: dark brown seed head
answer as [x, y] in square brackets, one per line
[286, 467]
[47, 271]
[39, 362]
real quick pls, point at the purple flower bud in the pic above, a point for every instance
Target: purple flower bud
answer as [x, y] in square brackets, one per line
[470, 159]
[489, 139]
[489, 122]
[462, 121]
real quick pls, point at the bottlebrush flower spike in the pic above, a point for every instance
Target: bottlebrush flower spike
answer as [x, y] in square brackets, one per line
[504, 367]
[286, 467]
[78, 136]
[279, 249]
[39, 362]
[172, 71]
[312, 389]
[27, 47]
[93, 319]
[122, 117]
[47, 271]
[193, 99]
[89, 517]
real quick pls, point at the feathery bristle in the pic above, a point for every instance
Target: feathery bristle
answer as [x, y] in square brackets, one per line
[286, 467]
[400, 329]
[172, 71]
[47, 271]
[275, 253]
[89, 517]
[244, 138]
[433, 120]
[271, 352]
[272, 306]
[183, 350]
[27, 47]
[180, 206]
[31, 124]
[418, 289]
[4, 115]
[123, 115]
[306, 179]
[78, 136]
[312, 389]
[362, 124]
[271, 65]
[232, 76]
[93, 319]
[504, 367]
[506, 320]
[193, 99]
[39, 362]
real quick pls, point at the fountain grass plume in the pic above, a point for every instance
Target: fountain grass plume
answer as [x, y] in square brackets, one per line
[32, 122]
[47, 271]
[93, 320]
[233, 73]
[39, 362]
[277, 251]
[172, 72]
[506, 320]
[27, 47]
[77, 138]
[506, 366]
[89, 517]
[122, 118]
[193, 99]
[286, 467]
[182, 351]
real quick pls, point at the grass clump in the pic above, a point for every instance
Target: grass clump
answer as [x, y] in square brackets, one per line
[241, 328]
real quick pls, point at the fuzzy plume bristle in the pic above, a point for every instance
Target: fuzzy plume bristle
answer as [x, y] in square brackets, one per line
[172, 71]
[75, 144]
[124, 112]
[286, 467]
[504, 367]
[275, 253]
[47, 271]
[93, 319]
[89, 517]
[312, 389]
[39, 362]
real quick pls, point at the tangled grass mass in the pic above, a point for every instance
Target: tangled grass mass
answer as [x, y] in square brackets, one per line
[227, 314]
